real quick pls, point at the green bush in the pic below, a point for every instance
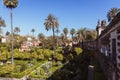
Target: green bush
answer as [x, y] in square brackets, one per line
[59, 50]
[78, 50]
[41, 57]
[25, 72]
[59, 57]
[33, 61]
[47, 53]
[5, 69]
[24, 66]
[17, 68]
[40, 51]
[17, 75]
[3, 56]
[69, 57]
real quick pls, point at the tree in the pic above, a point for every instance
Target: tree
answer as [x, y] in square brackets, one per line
[17, 30]
[112, 13]
[86, 35]
[81, 34]
[2, 24]
[72, 32]
[33, 30]
[41, 37]
[62, 37]
[11, 4]
[7, 33]
[57, 31]
[91, 35]
[16, 36]
[65, 31]
[51, 23]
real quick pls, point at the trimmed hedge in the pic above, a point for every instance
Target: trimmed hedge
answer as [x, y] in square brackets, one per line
[26, 72]
[8, 72]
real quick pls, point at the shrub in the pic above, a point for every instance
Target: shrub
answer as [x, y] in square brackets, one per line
[33, 61]
[24, 66]
[6, 69]
[59, 50]
[69, 57]
[59, 57]
[47, 53]
[42, 72]
[34, 55]
[41, 57]
[40, 51]
[17, 68]
[78, 50]
[3, 56]
[17, 75]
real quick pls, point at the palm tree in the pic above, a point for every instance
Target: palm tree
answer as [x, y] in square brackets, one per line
[7, 33]
[81, 34]
[72, 32]
[51, 23]
[57, 31]
[86, 35]
[17, 30]
[65, 31]
[112, 13]
[62, 37]
[41, 37]
[91, 35]
[33, 30]
[8, 36]
[11, 4]
[16, 36]
[2, 24]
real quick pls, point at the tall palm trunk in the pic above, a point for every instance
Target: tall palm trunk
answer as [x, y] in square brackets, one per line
[12, 39]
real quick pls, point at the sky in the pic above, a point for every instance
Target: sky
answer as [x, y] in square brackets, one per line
[31, 14]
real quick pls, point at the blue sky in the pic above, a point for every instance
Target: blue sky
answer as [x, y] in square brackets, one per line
[70, 13]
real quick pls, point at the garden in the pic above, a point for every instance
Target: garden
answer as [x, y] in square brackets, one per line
[36, 63]
[68, 62]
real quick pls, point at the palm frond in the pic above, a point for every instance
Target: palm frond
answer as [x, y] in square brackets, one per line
[10, 3]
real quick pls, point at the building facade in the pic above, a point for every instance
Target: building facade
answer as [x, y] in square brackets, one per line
[109, 47]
